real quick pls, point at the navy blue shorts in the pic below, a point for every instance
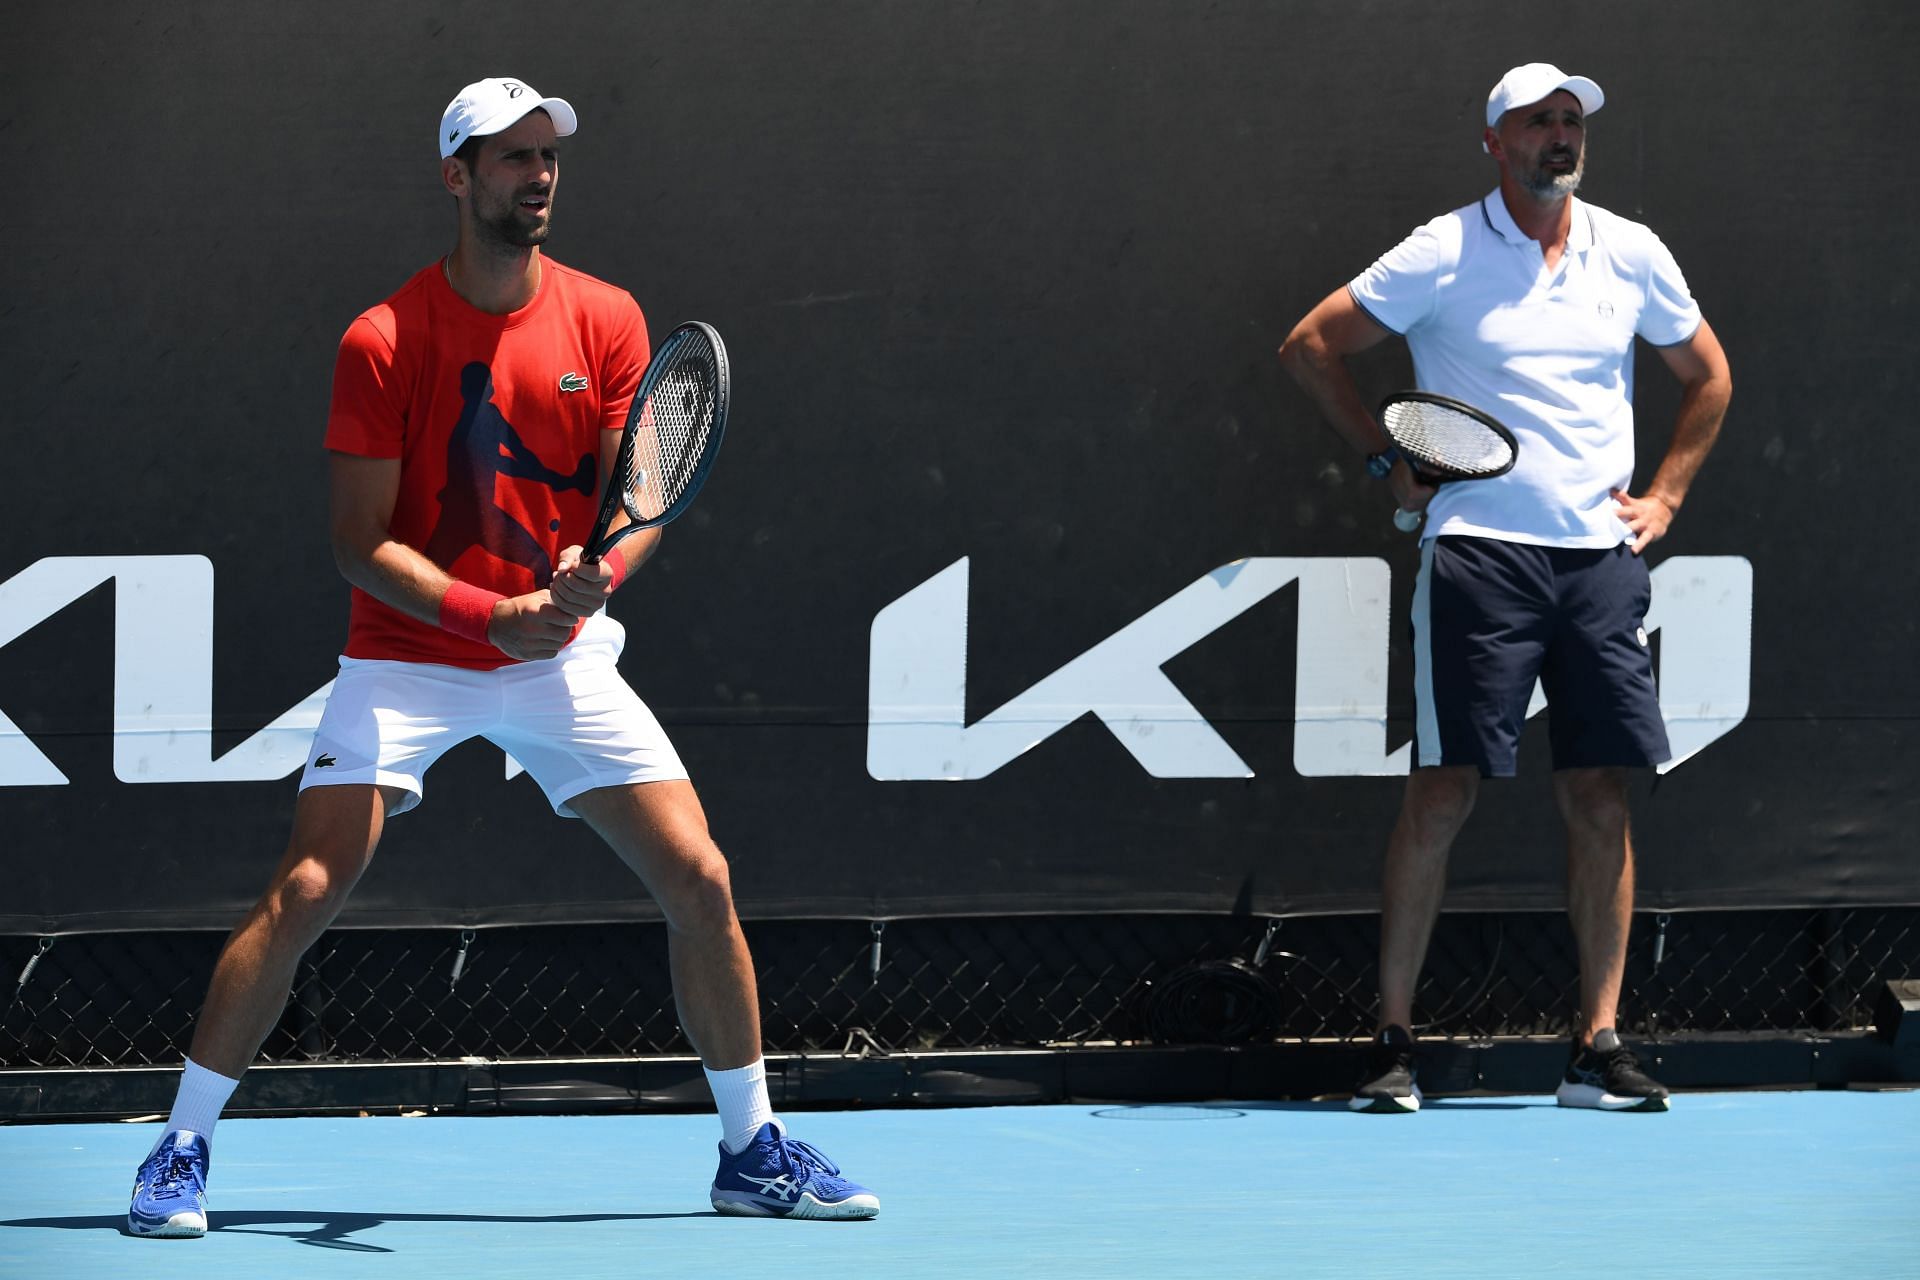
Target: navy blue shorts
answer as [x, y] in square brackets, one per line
[1490, 617]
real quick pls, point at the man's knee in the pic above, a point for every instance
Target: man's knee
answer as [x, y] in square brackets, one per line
[1592, 799]
[659, 830]
[334, 834]
[1439, 799]
[308, 894]
[697, 892]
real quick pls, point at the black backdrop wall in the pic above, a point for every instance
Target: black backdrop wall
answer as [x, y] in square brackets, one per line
[1002, 284]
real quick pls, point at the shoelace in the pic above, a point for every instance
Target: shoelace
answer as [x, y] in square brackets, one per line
[168, 1182]
[1386, 1056]
[804, 1157]
[1621, 1060]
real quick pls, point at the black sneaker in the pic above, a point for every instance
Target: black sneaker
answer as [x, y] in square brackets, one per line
[1388, 1087]
[1608, 1077]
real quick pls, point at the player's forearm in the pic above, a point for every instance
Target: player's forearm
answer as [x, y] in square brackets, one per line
[1703, 406]
[1323, 375]
[633, 551]
[638, 549]
[394, 574]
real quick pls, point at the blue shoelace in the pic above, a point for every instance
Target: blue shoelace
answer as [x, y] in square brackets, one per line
[804, 1157]
[170, 1184]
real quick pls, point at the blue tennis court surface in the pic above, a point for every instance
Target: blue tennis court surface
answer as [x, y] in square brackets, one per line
[1747, 1184]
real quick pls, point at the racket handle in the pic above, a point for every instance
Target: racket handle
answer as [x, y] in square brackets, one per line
[1406, 521]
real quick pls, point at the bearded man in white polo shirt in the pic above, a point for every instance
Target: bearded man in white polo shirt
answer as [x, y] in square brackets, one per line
[1526, 304]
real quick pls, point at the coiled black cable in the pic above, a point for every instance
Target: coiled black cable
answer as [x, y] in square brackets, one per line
[1211, 1002]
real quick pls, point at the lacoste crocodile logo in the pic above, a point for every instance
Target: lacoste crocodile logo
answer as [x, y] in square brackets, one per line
[324, 762]
[573, 382]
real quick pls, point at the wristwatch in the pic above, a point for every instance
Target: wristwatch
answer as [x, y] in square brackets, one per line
[1380, 465]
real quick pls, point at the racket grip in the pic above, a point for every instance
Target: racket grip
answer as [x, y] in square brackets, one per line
[1406, 521]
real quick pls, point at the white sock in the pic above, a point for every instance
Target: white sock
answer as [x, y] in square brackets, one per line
[196, 1108]
[741, 1096]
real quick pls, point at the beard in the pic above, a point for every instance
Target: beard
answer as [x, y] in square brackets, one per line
[1555, 186]
[509, 227]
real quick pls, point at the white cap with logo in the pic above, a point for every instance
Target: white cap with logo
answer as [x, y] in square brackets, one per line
[1525, 85]
[489, 106]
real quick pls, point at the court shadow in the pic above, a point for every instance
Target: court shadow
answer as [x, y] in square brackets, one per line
[1160, 1112]
[329, 1230]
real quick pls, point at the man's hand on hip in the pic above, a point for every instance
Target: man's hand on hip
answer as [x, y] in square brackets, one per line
[1646, 518]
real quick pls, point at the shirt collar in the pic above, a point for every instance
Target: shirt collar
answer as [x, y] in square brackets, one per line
[1579, 230]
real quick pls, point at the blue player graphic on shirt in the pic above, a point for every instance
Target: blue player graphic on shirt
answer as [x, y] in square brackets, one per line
[485, 445]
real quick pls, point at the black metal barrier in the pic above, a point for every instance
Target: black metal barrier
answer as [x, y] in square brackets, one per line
[943, 1009]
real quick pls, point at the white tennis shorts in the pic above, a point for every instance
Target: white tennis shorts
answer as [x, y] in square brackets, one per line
[570, 721]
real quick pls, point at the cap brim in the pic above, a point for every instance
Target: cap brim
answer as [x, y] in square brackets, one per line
[565, 122]
[1591, 99]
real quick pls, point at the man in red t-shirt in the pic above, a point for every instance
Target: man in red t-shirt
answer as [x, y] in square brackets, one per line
[473, 414]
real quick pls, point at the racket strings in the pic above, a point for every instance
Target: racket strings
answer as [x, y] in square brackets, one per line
[1445, 440]
[677, 417]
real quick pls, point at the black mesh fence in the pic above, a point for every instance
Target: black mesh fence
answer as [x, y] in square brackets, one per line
[949, 983]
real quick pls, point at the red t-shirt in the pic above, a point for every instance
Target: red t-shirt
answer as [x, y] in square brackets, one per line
[496, 421]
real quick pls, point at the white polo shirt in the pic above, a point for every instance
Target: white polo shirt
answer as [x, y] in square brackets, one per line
[1548, 353]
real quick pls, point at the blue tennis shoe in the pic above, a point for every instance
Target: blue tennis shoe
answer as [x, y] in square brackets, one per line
[170, 1191]
[779, 1177]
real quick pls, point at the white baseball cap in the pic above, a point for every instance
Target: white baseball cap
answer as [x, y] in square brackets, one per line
[488, 106]
[1525, 85]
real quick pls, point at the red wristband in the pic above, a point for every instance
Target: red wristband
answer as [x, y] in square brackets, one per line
[617, 566]
[467, 610]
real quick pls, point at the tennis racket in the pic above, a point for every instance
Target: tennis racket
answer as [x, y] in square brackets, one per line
[1443, 439]
[673, 431]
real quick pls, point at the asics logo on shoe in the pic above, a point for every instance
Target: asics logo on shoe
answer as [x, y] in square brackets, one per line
[780, 1188]
[573, 382]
